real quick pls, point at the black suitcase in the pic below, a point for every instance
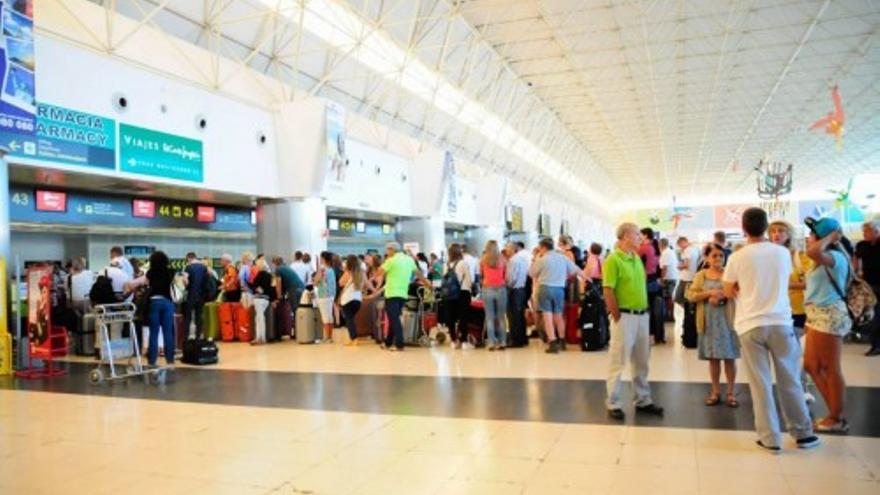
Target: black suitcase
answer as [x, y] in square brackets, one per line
[200, 352]
[689, 326]
[271, 328]
[657, 318]
[592, 322]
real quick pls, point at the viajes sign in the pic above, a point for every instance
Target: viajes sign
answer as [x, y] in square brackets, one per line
[149, 152]
[72, 137]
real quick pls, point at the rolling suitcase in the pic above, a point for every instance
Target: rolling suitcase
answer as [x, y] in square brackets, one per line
[689, 326]
[180, 333]
[475, 325]
[410, 320]
[226, 314]
[211, 320]
[365, 319]
[283, 320]
[244, 332]
[571, 310]
[271, 327]
[657, 318]
[308, 321]
[85, 341]
[200, 352]
[594, 330]
[429, 321]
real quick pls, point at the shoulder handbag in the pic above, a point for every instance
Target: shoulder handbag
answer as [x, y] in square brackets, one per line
[859, 297]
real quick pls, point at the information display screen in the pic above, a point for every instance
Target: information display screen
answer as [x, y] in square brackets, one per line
[347, 227]
[86, 208]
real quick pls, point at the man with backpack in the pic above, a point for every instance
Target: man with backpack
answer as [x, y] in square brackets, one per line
[197, 287]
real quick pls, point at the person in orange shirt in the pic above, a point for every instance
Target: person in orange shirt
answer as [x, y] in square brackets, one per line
[230, 284]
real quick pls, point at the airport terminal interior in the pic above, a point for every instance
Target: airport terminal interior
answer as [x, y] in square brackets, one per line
[481, 247]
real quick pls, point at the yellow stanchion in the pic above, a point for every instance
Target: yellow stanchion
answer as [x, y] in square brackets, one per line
[5, 336]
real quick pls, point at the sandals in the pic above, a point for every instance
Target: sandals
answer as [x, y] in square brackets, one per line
[715, 399]
[732, 402]
[839, 428]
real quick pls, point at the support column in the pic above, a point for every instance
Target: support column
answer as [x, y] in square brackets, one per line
[294, 224]
[430, 233]
[477, 238]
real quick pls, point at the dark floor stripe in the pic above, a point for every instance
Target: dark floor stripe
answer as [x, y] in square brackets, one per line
[563, 401]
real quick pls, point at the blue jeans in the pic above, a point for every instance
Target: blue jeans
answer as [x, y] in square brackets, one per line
[161, 315]
[495, 302]
[393, 308]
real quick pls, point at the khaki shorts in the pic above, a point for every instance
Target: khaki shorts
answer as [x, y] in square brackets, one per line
[832, 319]
[325, 307]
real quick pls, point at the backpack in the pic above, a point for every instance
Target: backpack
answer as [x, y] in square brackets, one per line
[210, 288]
[102, 290]
[859, 297]
[578, 257]
[450, 287]
[178, 289]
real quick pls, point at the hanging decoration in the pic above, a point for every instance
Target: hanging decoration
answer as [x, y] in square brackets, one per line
[774, 179]
[841, 196]
[849, 210]
[679, 213]
[833, 122]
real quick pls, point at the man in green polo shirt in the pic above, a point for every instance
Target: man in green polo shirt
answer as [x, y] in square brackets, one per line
[626, 297]
[398, 270]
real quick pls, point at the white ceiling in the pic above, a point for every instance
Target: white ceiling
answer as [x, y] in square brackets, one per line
[639, 101]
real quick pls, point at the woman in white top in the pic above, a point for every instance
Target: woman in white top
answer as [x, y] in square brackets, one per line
[456, 304]
[354, 283]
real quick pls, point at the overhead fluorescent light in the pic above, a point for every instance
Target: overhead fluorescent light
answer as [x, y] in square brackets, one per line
[346, 31]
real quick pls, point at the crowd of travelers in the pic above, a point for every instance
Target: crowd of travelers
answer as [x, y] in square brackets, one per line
[764, 300]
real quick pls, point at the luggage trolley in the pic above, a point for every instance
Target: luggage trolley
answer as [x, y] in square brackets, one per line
[427, 337]
[122, 348]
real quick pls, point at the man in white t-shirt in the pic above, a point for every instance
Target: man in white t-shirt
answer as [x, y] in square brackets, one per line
[473, 265]
[688, 267]
[669, 272]
[756, 277]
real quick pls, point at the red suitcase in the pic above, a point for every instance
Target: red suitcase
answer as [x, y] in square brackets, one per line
[244, 330]
[429, 321]
[226, 313]
[571, 314]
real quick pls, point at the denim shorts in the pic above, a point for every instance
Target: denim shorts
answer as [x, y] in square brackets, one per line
[551, 299]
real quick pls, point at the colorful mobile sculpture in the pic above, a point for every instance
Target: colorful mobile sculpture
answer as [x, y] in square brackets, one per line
[774, 179]
[833, 122]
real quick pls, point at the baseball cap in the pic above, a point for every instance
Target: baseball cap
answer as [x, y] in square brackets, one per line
[823, 226]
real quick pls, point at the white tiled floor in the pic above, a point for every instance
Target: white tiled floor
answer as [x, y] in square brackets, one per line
[73, 444]
[669, 362]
